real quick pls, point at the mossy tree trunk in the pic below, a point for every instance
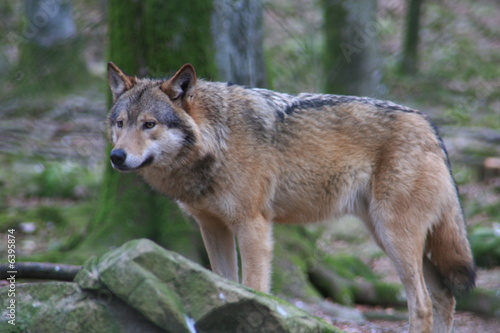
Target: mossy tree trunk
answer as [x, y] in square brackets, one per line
[51, 54]
[409, 61]
[350, 52]
[150, 38]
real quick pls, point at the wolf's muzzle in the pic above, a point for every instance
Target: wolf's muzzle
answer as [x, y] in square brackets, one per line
[118, 157]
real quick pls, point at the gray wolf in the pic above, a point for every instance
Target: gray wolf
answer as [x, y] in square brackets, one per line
[238, 159]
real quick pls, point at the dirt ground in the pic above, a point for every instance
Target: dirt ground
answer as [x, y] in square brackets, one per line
[465, 322]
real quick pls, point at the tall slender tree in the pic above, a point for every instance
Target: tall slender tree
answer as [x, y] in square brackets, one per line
[350, 53]
[238, 33]
[409, 61]
[50, 51]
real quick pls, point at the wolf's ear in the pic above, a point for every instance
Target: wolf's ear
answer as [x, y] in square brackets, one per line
[182, 84]
[119, 82]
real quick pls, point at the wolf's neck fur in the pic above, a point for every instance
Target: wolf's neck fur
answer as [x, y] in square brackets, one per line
[193, 174]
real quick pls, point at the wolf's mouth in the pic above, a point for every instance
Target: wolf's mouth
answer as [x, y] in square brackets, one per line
[124, 168]
[146, 162]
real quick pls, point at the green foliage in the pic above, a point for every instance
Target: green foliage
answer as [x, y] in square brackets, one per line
[63, 180]
[55, 70]
[293, 50]
[458, 63]
[387, 292]
[482, 301]
[485, 243]
[23, 176]
[42, 72]
[55, 181]
[350, 267]
[39, 215]
[50, 214]
[458, 115]
[464, 174]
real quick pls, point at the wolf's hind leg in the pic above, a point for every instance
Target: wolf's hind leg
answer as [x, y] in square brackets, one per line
[443, 302]
[403, 241]
[220, 245]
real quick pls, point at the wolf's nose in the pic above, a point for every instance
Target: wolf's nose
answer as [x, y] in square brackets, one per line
[118, 156]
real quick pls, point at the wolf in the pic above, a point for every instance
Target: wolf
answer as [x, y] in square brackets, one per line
[239, 159]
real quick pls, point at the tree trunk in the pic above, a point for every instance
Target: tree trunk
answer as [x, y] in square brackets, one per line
[51, 54]
[237, 31]
[49, 22]
[409, 61]
[350, 54]
[178, 32]
[152, 37]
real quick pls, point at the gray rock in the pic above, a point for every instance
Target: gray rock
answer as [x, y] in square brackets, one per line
[64, 307]
[141, 287]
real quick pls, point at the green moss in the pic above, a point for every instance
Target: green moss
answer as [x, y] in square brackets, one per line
[177, 34]
[479, 300]
[349, 267]
[48, 72]
[485, 244]
[293, 251]
[50, 214]
[345, 296]
[387, 293]
[289, 276]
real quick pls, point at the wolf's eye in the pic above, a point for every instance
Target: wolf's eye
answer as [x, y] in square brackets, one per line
[119, 123]
[149, 124]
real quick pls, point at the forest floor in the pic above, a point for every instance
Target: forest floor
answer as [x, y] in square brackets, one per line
[71, 137]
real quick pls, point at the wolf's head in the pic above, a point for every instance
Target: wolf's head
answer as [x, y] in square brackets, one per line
[149, 121]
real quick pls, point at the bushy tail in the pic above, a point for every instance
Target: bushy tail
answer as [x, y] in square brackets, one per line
[450, 252]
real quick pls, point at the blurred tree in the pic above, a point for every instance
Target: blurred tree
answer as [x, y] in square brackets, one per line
[351, 52]
[409, 61]
[51, 53]
[237, 31]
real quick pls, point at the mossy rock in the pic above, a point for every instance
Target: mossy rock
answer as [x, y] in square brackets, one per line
[148, 277]
[65, 307]
[141, 287]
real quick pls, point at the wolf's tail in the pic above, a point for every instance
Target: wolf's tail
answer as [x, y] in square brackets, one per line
[450, 252]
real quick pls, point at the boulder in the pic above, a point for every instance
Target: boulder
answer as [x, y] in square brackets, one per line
[64, 307]
[142, 284]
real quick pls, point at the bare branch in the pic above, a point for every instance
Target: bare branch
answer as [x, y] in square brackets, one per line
[40, 270]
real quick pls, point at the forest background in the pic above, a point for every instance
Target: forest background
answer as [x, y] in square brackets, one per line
[65, 203]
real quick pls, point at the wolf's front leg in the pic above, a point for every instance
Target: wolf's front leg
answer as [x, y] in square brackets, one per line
[220, 246]
[256, 250]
